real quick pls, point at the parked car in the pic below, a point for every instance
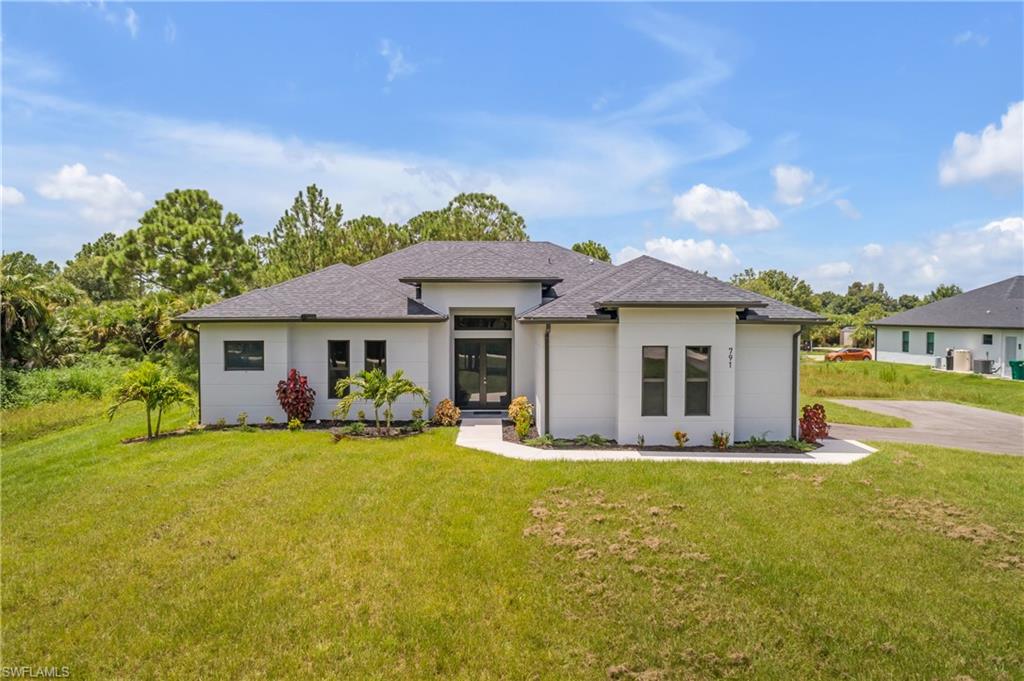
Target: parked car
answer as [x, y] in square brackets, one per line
[848, 355]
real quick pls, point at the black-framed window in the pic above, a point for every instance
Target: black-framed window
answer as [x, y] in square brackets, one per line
[929, 343]
[376, 356]
[243, 355]
[986, 339]
[654, 387]
[483, 323]
[337, 366]
[906, 341]
[698, 381]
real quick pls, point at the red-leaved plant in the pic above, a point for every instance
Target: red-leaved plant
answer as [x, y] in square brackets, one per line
[813, 427]
[295, 396]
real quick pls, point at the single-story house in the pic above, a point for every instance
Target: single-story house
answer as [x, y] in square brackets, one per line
[643, 348]
[988, 321]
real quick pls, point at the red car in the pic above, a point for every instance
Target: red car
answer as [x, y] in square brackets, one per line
[848, 355]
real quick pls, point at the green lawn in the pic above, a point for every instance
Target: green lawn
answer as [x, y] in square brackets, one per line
[840, 413]
[885, 380]
[277, 554]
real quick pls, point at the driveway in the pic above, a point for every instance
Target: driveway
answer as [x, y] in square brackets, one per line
[940, 423]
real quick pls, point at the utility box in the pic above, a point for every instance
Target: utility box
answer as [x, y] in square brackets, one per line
[962, 360]
[983, 366]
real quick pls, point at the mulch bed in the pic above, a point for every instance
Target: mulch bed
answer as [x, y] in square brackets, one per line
[322, 424]
[508, 434]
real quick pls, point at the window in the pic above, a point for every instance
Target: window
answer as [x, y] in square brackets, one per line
[698, 380]
[986, 339]
[376, 356]
[419, 291]
[929, 343]
[337, 366]
[654, 395]
[483, 323]
[243, 355]
[906, 341]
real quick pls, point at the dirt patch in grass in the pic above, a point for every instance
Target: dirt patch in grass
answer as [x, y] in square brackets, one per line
[1003, 545]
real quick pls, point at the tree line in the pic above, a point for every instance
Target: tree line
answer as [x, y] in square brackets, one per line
[118, 294]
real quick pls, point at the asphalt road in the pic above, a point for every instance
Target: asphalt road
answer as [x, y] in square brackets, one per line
[940, 423]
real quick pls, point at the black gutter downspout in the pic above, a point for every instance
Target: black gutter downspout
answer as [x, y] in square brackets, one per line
[199, 372]
[547, 379]
[794, 400]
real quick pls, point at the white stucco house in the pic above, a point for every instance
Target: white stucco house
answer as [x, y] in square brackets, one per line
[643, 348]
[988, 321]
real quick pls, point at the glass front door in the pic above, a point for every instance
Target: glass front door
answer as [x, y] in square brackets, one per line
[483, 376]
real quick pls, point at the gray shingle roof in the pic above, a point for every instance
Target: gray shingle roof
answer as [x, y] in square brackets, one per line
[375, 290]
[483, 263]
[338, 292]
[996, 306]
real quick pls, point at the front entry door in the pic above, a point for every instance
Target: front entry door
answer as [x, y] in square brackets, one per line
[1010, 346]
[483, 373]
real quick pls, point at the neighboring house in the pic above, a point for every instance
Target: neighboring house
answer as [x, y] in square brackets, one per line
[644, 348]
[846, 336]
[988, 321]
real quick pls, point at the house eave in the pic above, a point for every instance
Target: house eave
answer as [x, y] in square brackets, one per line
[946, 325]
[389, 320]
[480, 280]
[680, 304]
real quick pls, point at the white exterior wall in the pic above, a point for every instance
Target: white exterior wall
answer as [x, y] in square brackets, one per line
[890, 344]
[584, 396]
[224, 394]
[676, 329]
[764, 386]
[407, 349]
[302, 346]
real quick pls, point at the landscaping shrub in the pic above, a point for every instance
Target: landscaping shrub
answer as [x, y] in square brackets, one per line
[593, 440]
[446, 413]
[720, 440]
[813, 426]
[294, 425]
[545, 440]
[153, 386]
[296, 397]
[681, 437]
[521, 413]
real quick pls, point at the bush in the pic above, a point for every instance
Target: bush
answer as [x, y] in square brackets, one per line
[446, 413]
[296, 397]
[681, 437]
[243, 418]
[89, 378]
[720, 440]
[813, 426]
[294, 425]
[593, 440]
[357, 428]
[417, 414]
[521, 413]
[545, 440]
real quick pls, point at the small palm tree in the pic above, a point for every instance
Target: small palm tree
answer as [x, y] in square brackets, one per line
[155, 388]
[366, 385]
[397, 385]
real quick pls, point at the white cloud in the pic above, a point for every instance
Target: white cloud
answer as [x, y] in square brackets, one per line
[398, 65]
[689, 253]
[792, 183]
[995, 152]
[968, 257]
[170, 31]
[10, 196]
[721, 210]
[978, 39]
[833, 270]
[131, 22]
[872, 250]
[101, 198]
[848, 209]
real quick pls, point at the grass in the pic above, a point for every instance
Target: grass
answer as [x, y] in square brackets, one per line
[276, 554]
[886, 380]
[841, 413]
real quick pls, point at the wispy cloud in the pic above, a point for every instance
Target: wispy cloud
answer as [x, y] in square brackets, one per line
[398, 65]
[131, 22]
[970, 37]
[170, 31]
[847, 208]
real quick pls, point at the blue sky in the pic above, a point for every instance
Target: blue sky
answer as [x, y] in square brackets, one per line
[839, 142]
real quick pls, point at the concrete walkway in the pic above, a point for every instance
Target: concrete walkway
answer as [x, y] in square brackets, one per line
[940, 423]
[485, 434]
